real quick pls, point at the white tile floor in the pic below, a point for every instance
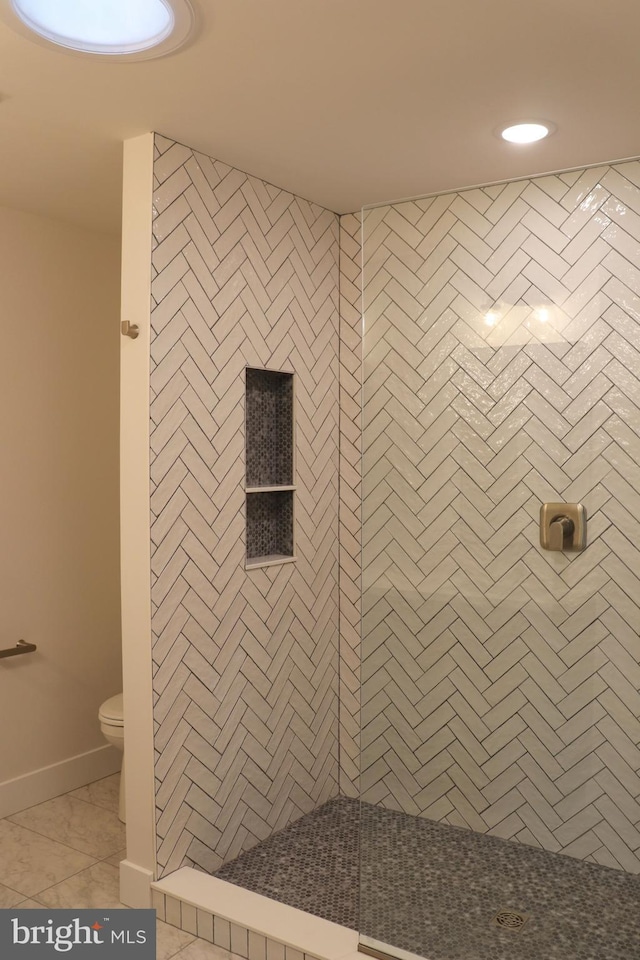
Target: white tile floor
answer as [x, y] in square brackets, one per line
[65, 853]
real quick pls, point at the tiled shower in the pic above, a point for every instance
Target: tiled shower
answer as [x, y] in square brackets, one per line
[499, 687]
[246, 660]
[500, 680]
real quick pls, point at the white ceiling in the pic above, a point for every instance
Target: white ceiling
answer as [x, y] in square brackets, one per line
[345, 102]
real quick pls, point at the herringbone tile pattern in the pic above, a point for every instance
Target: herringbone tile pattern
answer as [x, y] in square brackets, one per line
[502, 369]
[245, 663]
[350, 499]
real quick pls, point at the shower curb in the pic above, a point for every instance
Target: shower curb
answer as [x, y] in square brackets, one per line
[246, 923]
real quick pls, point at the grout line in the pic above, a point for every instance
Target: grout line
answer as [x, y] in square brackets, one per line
[90, 803]
[51, 840]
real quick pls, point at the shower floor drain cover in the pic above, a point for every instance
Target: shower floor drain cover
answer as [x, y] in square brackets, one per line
[510, 920]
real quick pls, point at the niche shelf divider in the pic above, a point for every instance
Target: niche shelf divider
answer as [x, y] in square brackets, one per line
[270, 471]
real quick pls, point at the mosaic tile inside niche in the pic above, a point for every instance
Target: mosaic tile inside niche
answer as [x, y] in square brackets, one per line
[270, 524]
[269, 428]
[434, 890]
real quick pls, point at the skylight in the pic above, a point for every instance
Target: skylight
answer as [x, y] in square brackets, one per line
[108, 27]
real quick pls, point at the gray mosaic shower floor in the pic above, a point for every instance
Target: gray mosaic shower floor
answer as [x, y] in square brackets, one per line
[434, 890]
[311, 864]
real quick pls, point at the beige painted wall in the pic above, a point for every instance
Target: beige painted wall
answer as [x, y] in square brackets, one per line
[59, 560]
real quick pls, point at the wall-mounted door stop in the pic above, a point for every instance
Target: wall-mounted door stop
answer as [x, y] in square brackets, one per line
[129, 329]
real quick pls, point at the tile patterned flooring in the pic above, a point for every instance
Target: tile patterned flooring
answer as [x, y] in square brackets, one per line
[65, 853]
[311, 865]
[434, 890]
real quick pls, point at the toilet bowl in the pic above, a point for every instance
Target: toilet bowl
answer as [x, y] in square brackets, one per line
[111, 717]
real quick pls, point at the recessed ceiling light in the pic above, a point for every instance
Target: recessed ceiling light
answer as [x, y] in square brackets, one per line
[526, 132]
[131, 29]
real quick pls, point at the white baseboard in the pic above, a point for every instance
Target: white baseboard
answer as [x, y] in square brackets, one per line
[135, 885]
[49, 782]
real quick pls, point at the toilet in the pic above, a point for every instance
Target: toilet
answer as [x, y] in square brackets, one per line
[111, 717]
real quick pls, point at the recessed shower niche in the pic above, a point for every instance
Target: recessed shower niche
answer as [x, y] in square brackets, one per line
[269, 484]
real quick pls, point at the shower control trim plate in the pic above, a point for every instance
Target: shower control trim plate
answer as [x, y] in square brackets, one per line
[563, 526]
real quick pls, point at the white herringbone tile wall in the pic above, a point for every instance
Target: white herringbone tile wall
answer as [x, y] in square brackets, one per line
[502, 369]
[245, 663]
[350, 499]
